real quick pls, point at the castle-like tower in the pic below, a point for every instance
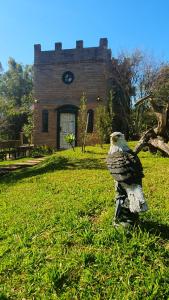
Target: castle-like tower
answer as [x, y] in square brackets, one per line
[61, 76]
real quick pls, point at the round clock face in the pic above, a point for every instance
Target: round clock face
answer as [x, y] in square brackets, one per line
[68, 77]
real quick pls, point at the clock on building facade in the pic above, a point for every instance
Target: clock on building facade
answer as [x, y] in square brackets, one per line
[68, 77]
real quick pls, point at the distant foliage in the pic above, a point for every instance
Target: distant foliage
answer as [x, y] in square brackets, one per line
[123, 89]
[16, 98]
[153, 110]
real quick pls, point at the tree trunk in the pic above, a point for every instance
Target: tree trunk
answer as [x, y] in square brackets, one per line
[153, 141]
[162, 119]
[160, 145]
[156, 138]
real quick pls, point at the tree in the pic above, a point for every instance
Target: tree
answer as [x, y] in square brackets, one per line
[133, 75]
[16, 86]
[1, 68]
[122, 84]
[158, 101]
[28, 128]
[144, 74]
[103, 120]
[83, 121]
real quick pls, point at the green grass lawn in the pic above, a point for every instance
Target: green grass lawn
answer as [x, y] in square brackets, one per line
[57, 240]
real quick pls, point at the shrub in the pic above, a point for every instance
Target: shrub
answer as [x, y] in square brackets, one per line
[40, 151]
[70, 138]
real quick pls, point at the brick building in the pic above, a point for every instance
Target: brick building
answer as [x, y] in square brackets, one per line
[61, 76]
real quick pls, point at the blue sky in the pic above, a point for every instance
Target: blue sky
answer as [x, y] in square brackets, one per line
[128, 24]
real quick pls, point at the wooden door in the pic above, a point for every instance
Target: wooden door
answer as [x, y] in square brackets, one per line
[67, 125]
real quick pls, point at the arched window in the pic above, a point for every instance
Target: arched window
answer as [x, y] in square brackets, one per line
[45, 120]
[90, 120]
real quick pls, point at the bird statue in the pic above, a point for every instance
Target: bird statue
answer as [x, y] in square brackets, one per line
[127, 171]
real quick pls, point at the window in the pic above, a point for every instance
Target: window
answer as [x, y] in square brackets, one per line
[45, 120]
[90, 121]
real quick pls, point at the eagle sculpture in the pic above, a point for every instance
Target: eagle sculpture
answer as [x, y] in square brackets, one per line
[127, 171]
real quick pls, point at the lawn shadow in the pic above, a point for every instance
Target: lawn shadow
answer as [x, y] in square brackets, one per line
[155, 228]
[53, 164]
[3, 297]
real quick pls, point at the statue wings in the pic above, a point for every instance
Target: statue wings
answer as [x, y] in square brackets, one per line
[125, 167]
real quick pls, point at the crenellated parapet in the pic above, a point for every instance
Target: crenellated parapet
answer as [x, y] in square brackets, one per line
[78, 54]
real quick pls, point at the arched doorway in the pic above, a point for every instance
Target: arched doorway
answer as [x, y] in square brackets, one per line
[66, 123]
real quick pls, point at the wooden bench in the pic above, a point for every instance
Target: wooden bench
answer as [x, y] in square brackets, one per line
[13, 150]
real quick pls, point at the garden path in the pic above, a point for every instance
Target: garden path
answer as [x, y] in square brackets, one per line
[4, 169]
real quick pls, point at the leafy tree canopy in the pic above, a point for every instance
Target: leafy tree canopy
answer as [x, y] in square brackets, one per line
[16, 98]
